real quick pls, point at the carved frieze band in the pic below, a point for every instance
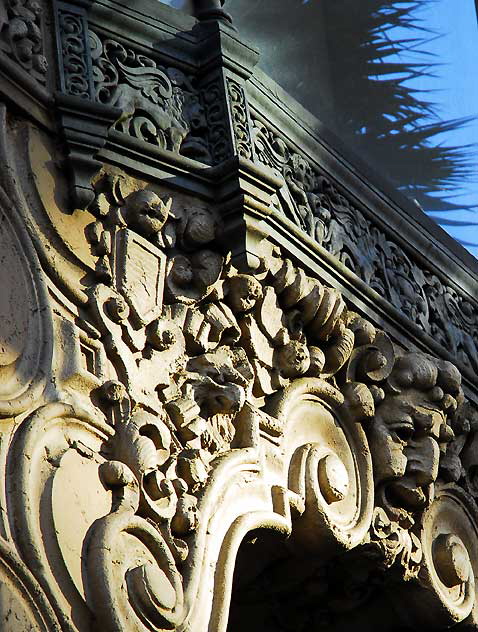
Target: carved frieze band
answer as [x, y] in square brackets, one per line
[217, 120]
[73, 50]
[159, 105]
[325, 212]
[240, 119]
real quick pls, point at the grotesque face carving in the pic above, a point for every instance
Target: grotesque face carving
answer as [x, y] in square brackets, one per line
[405, 441]
[244, 292]
[410, 429]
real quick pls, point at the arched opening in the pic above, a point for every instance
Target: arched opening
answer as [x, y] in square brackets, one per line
[260, 581]
[279, 589]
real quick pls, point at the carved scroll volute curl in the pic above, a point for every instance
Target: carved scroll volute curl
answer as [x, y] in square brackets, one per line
[52, 479]
[449, 539]
[26, 326]
[330, 466]
[134, 582]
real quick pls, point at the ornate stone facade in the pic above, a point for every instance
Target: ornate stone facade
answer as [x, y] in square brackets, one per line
[233, 395]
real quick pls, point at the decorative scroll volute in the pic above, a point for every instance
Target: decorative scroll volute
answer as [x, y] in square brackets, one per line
[27, 606]
[54, 496]
[26, 332]
[446, 591]
[134, 582]
[330, 466]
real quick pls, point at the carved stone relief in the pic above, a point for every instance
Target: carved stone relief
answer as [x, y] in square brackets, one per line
[73, 54]
[21, 35]
[230, 402]
[256, 400]
[108, 87]
[314, 203]
[240, 119]
[159, 105]
[161, 410]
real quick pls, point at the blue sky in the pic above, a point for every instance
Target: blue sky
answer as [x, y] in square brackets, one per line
[178, 4]
[454, 44]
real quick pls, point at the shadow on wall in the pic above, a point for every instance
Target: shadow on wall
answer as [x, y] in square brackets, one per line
[276, 590]
[377, 75]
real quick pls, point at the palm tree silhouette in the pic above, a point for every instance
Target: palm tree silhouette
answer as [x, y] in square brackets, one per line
[353, 63]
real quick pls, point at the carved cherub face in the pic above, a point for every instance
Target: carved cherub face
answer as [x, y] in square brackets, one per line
[244, 292]
[191, 277]
[200, 228]
[207, 266]
[146, 212]
[34, 7]
[293, 359]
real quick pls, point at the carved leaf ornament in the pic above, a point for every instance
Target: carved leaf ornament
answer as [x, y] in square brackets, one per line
[164, 407]
[237, 402]
[159, 105]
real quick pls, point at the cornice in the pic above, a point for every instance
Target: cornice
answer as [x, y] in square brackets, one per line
[309, 136]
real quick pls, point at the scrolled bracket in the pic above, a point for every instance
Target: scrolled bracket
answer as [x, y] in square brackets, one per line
[134, 583]
[331, 470]
[449, 538]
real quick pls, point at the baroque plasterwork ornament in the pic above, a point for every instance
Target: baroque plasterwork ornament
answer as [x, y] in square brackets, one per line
[237, 402]
[229, 402]
[21, 36]
[313, 202]
[221, 403]
[161, 407]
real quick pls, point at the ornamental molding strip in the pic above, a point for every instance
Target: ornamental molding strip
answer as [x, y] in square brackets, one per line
[233, 395]
[324, 211]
